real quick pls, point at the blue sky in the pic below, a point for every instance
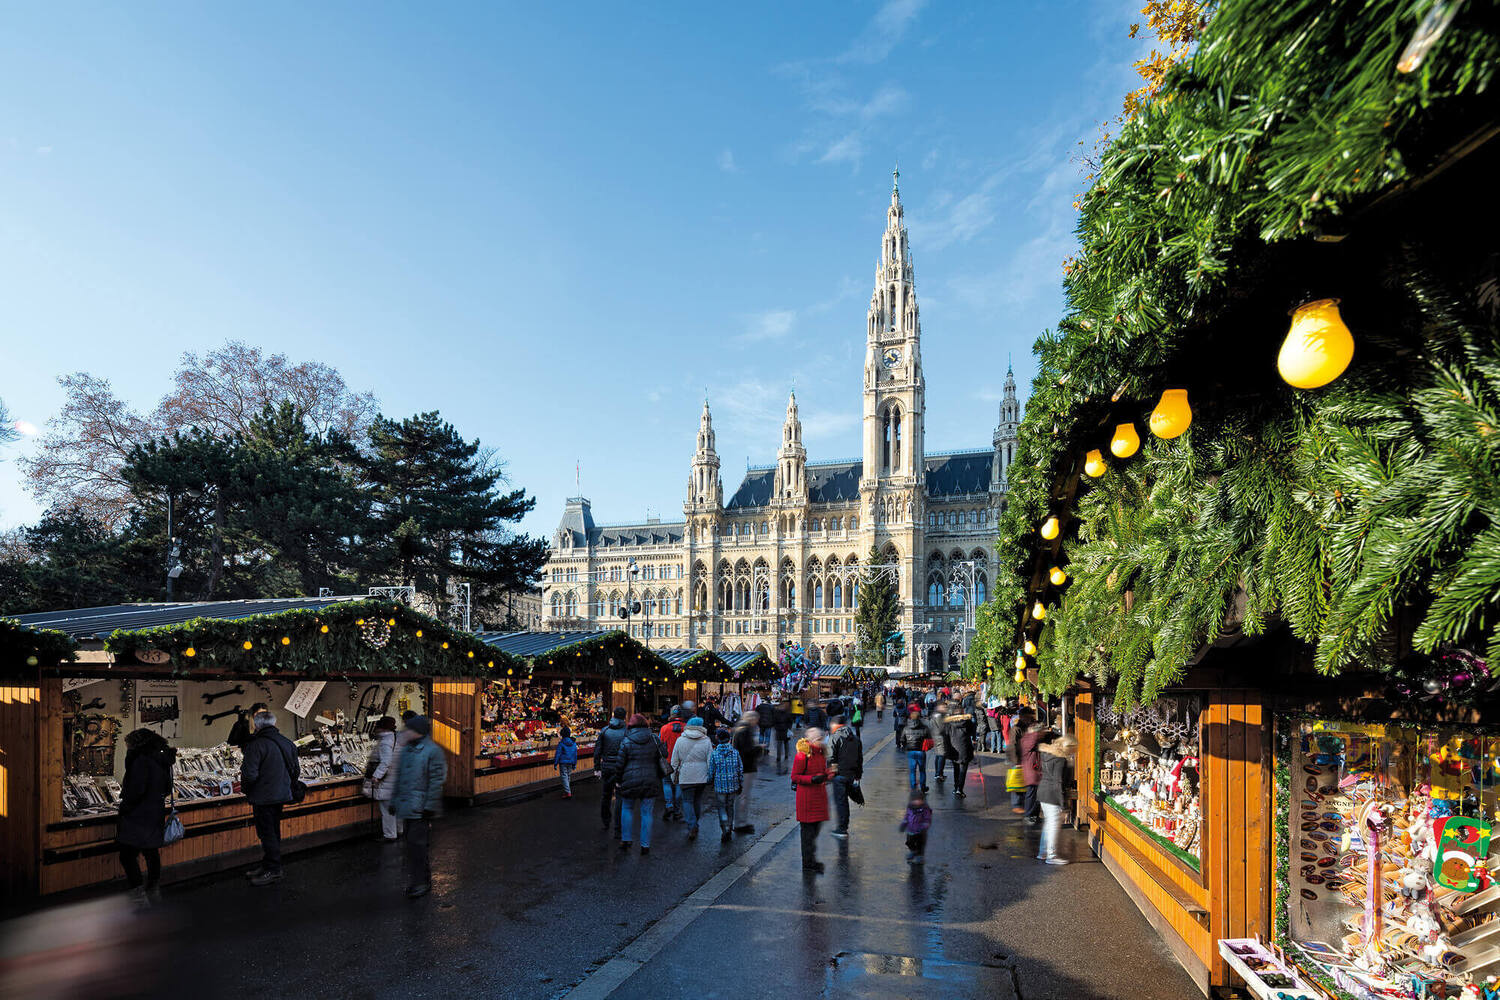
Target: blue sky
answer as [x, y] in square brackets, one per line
[556, 223]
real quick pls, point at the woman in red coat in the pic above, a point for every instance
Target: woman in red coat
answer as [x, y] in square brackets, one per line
[810, 774]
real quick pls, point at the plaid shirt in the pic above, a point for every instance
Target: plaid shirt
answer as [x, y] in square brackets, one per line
[725, 769]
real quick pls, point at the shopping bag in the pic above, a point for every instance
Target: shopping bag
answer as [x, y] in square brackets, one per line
[1015, 780]
[173, 831]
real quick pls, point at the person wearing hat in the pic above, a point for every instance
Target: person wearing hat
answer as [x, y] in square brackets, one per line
[689, 758]
[671, 795]
[418, 797]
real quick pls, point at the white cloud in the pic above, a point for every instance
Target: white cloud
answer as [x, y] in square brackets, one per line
[25, 427]
[827, 423]
[726, 161]
[770, 325]
[880, 36]
[43, 150]
[930, 160]
[848, 149]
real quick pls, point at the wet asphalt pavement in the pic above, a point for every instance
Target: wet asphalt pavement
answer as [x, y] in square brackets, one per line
[532, 898]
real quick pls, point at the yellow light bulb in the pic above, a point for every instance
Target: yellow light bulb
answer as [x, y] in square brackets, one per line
[1050, 528]
[509, 671]
[1030, 648]
[491, 664]
[445, 645]
[1020, 677]
[286, 640]
[1126, 441]
[324, 629]
[1172, 415]
[1318, 347]
[1020, 662]
[1038, 611]
[391, 622]
[471, 654]
[1093, 464]
[419, 633]
[190, 651]
[359, 621]
[1057, 576]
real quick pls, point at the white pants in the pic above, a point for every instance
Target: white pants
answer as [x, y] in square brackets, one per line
[390, 825]
[1052, 817]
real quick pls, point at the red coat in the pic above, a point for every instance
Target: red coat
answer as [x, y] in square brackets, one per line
[812, 799]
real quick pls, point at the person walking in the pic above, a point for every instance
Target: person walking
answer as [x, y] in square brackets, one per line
[783, 727]
[690, 772]
[1056, 755]
[815, 716]
[880, 705]
[747, 741]
[857, 719]
[667, 737]
[606, 756]
[638, 778]
[418, 799]
[380, 776]
[143, 813]
[267, 771]
[566, 759]
[726, 773]
[915, 824]
[898, 713]
[912, 739]
[810, 772]
[847, 755]
[1031, 770]
[958, 747]
[992, 729]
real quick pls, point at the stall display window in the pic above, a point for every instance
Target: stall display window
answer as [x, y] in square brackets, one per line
[1148, 769]
[523, 719]
[195, 718]
[1389, 890]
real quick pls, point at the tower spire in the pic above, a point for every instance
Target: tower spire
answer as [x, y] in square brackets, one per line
[790, 480]
[704, 488]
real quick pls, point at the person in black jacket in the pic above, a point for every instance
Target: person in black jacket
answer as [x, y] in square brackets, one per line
[638, 775]
[911, 739]
[847, 753]
[241, 732]
[266, 776]
[958, 747]
[606, 754]
[815, 716]
[746, 736]
[783, 727]
[143, 811]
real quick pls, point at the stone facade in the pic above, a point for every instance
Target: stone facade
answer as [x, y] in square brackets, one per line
[782, 558]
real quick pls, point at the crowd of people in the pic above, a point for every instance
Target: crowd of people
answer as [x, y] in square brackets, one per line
[697, 760]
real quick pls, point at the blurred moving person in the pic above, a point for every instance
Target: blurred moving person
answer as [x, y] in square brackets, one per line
[418, 799]
[143, 812]
[747, 741]
[1056, 755]
[915, 824]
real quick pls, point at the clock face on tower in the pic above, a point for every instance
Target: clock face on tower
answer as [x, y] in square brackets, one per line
[892, 357]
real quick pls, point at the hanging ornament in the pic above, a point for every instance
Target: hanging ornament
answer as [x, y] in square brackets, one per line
[1030, 648]
[374, 632]
[1050, 528]
[1126, 441]
[1172, 415]
[1057, 576]
[1038, 611]
[1020, 676]
[1317, 348]
[1093, 464]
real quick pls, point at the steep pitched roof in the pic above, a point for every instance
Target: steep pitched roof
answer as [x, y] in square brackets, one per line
[953, 475]
[623, 535]
[838, 482]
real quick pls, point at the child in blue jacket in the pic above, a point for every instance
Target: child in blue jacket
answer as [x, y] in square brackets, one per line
[566, 759]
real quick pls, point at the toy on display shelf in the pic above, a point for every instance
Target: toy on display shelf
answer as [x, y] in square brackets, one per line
[1149, 768]
[797, 670]
[525, 719]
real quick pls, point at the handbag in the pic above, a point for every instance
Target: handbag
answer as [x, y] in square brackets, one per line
[856, 794]
[1015, 780]
[173, 831]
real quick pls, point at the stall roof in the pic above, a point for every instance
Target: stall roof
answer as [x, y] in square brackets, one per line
[99, 623]
[533, 644]
[833, 670]
[679, 657]
[740, 660]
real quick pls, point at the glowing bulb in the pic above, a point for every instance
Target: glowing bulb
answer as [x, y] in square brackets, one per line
[1030, 648]
[286, 640]
[471, 654]
[1126, 441]
[445, 645]
[1020, 677]
[1050, 528]
[1057, 576]
[419, 633]
[324, 629]
[1318, 347]
[1093, 464]
[190, 651]
[509, 671]
[249, 645]
[359, 621]
[1020, 662]
[1038, 611]
[1172, 415]
[391, 622]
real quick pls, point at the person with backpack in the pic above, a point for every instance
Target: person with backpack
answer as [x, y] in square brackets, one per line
[639, 778]
[267, 775]
[667, 738]
[417, 799]
[606, 756]
[143, 812]
[726, 774]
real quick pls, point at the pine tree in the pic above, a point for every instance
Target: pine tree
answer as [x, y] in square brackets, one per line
[878, 614]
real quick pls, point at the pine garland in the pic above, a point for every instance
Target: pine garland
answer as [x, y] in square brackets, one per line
[24, 649]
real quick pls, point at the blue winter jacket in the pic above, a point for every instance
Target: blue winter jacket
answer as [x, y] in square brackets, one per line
[567, 752]
[419, 780]
[725, 769]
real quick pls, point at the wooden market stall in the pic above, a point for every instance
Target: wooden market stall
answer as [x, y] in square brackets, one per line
[328, 667]
[510, 721]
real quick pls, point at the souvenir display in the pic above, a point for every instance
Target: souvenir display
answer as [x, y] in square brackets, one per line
[1148, 767]
[1265, 972]
[1390, 890]
[523, 719]
[332, 743]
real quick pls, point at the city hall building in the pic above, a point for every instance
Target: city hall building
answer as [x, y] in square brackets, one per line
[782, 558]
